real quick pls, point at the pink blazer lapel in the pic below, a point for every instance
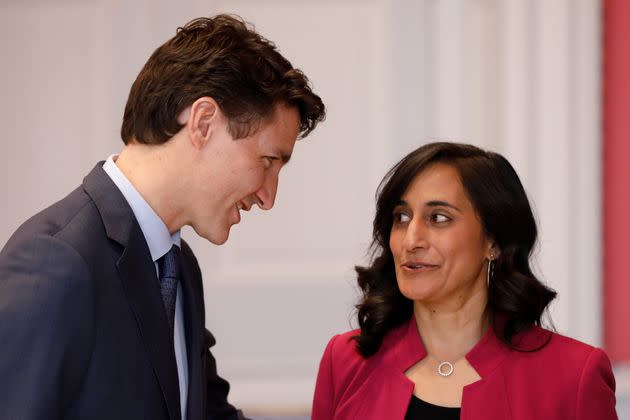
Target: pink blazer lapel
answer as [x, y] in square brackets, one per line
[386, 396]
[486, 399]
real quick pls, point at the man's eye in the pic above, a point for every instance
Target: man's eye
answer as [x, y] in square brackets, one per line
[269, 161]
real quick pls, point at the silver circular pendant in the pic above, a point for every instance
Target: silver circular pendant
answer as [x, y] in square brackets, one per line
[445, 368]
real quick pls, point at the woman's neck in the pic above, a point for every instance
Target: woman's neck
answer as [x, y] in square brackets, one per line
[450, 331]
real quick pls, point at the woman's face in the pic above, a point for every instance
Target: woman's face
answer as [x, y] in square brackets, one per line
[439, 247]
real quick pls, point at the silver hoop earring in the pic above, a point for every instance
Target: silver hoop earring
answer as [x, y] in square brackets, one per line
[490, 261]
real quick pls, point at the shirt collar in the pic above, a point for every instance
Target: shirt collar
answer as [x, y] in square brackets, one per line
[153, 228]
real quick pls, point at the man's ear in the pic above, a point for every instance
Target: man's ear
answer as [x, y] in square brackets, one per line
[200, 119]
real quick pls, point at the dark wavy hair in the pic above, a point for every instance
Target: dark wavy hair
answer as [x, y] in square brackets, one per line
[224, 58]
[501, 203]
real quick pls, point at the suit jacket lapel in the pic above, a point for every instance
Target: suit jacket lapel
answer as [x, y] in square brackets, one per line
[137, 272]
[193, 325]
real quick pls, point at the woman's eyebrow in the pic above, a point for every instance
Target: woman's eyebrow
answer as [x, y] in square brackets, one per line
[432, 203]
[440, 203]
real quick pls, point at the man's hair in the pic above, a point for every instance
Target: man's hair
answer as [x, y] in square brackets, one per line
[224, 58]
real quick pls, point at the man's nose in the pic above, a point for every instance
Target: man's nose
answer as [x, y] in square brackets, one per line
[266, 195]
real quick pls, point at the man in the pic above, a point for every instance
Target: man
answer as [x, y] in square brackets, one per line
[101, 302]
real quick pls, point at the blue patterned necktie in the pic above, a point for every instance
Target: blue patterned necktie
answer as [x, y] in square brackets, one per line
[168, 266]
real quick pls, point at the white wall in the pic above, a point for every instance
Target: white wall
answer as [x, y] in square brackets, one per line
[517, 76]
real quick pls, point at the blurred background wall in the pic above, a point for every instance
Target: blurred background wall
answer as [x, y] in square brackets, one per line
[522, 77]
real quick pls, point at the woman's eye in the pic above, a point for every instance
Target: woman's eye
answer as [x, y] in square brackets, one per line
[439, 218]
[400, 217]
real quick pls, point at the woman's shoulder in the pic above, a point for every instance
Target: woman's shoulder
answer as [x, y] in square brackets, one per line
[578, 374]
[552, 343]
[343, 357]
[543, 347]
[344, 373]
[340, 365]
[344, 346]
[342, 353]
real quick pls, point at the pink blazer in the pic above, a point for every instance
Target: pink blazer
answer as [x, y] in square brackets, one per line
[564, 380]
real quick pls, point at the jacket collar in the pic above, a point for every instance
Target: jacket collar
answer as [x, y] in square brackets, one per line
[484, 357]
[137, 274]
[402, 348]
[116, 214]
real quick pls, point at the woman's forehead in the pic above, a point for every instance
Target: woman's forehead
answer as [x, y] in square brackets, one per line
[438, 181]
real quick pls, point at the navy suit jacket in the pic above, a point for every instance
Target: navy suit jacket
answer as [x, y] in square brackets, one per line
[83, 332]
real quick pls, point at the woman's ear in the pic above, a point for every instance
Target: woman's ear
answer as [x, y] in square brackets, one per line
[493, 251]
[201, 118]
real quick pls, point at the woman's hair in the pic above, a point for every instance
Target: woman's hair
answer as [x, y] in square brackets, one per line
[500, 201]
[226, 59]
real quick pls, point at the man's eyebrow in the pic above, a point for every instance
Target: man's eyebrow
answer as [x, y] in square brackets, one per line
[278, 154]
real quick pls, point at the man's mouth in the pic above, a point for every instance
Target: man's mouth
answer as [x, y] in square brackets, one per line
[238, 206]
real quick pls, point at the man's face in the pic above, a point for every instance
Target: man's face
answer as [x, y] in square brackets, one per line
[233, 175]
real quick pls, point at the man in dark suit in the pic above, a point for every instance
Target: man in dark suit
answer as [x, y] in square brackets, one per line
[101, 302]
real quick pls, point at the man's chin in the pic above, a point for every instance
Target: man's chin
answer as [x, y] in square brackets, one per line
[215, 237]
[218, 241]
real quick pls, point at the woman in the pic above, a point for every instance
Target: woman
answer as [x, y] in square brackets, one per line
[451, 311]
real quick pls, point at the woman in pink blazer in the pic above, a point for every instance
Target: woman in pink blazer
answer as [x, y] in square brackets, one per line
[451, 311]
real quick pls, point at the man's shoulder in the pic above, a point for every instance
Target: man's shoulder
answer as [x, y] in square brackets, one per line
[67, 230]
[60, 216]
[41, 274]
